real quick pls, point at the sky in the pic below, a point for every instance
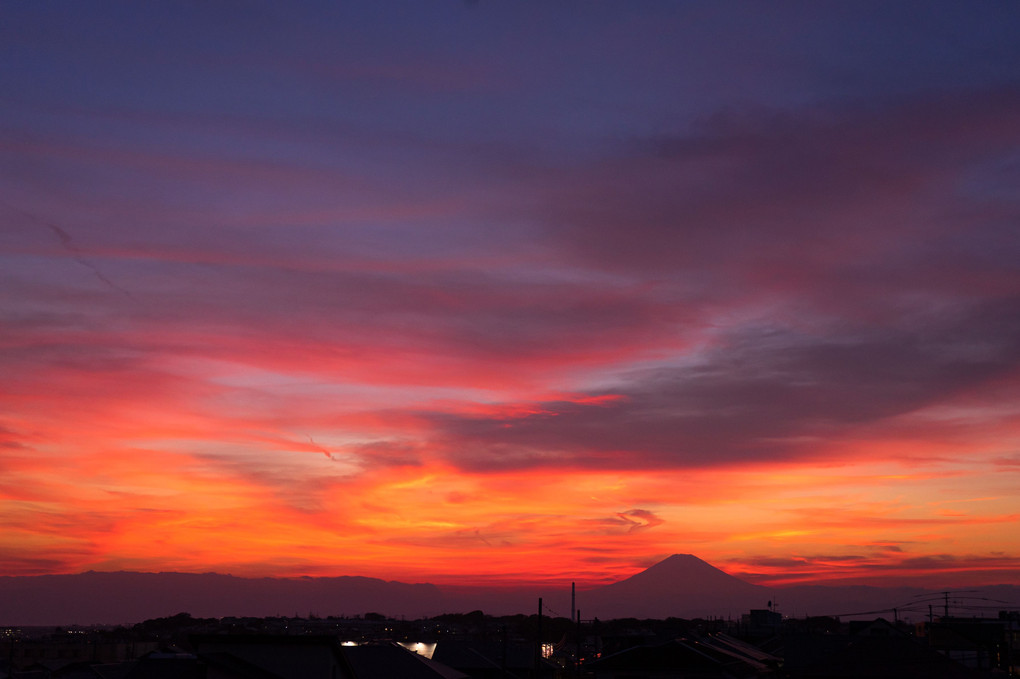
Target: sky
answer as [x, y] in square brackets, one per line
[511, 292]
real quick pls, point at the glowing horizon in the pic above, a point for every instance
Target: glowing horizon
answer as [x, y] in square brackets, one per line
[472, 294]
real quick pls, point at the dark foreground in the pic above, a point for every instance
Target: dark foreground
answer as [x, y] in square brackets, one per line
[461, 646]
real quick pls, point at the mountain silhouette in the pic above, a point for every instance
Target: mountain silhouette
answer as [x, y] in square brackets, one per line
[681, 585]
[123, 596]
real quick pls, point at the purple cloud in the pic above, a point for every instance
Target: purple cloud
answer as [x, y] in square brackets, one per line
[764, 395]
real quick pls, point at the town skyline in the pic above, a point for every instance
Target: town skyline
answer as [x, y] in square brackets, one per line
[498, 294]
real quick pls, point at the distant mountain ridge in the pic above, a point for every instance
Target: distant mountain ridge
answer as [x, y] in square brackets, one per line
[124, 596]
[680, 586]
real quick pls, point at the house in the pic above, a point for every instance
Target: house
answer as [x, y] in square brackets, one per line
[492, 659]
[266, 656]
[685, 658]
[875, 656]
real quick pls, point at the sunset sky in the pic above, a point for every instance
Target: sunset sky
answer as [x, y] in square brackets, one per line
[493, 291]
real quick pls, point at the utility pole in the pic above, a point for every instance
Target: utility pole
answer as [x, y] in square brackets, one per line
[578, 649]
[573, 612]
[503, 660]
[538, 649]
[947, 604]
